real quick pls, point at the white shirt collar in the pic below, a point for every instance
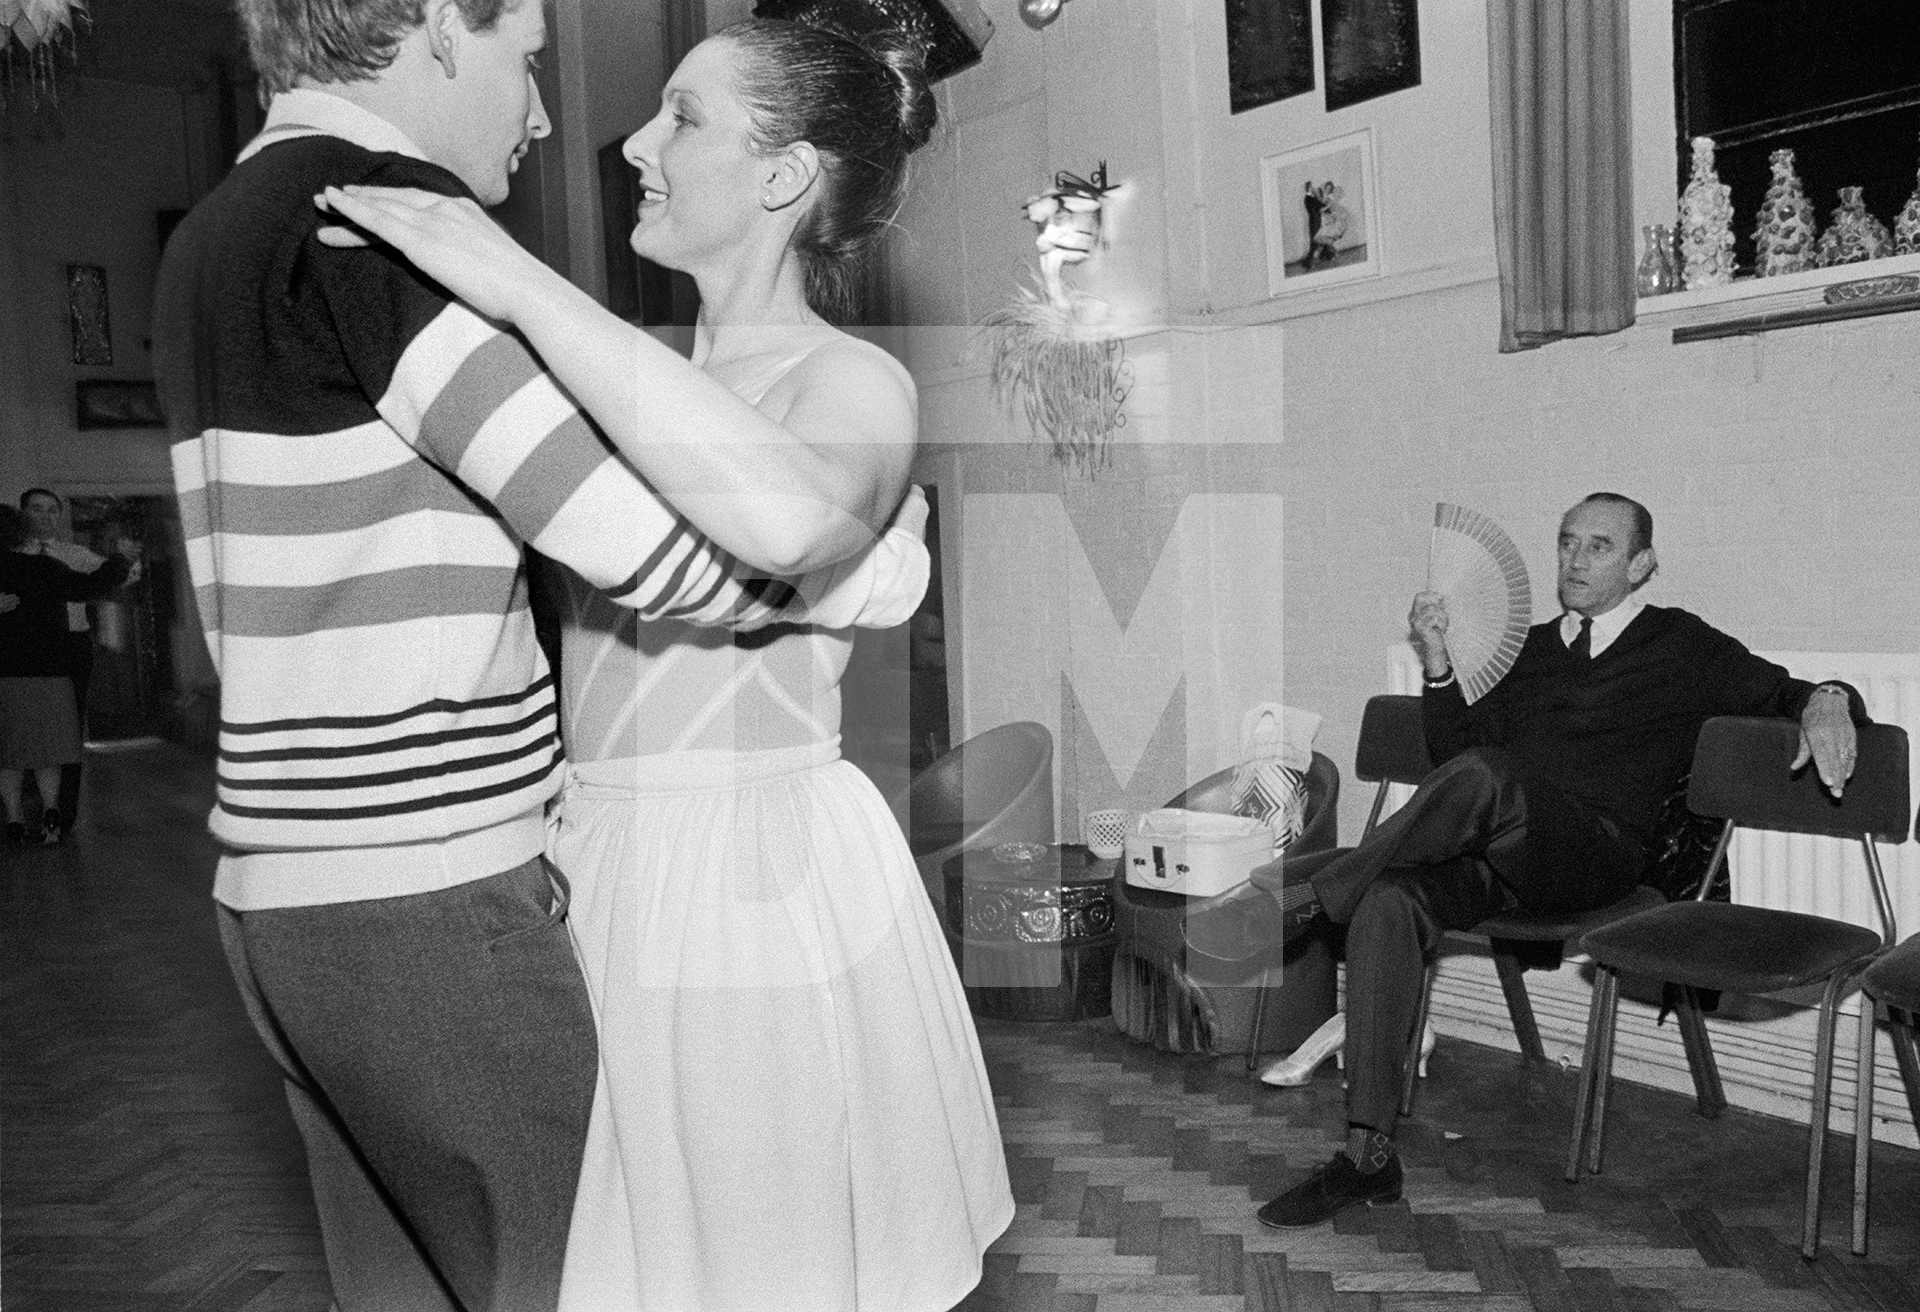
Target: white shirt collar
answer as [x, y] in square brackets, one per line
[1606, 627]
[305, 112]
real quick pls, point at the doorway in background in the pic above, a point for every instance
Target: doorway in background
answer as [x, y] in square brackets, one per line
[132, 690]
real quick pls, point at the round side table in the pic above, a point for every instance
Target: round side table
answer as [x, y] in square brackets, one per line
[1033, 938]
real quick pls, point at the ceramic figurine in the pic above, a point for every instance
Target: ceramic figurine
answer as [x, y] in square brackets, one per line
[1706, 222]
[1783, 239]
[1853, 235]
[1906, 227]
[1054, 352]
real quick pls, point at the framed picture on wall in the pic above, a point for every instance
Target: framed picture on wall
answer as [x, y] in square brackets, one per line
[1269, 52]
[117, 403]
[1371, 48]
[87, 314]
[1322, 214]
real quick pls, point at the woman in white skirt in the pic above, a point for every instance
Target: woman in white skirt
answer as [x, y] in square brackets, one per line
[793, 1114]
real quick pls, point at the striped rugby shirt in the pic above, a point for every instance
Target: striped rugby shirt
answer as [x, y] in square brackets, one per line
[361, 459]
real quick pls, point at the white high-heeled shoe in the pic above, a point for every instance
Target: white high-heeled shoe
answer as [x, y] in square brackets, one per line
[1298, 1066]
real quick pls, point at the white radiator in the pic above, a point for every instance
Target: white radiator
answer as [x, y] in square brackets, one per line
[1827, 876]
[1765, 1054]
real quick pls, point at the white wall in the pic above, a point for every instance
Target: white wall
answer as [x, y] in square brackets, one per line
[1778, 468]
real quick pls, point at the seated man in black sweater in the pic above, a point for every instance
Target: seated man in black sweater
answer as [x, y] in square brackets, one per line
[1547, 798]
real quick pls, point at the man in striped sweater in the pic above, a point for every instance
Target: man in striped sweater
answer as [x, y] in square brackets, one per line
[359, 459]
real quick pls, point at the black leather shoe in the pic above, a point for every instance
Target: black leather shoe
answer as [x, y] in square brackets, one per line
[1333, 1188]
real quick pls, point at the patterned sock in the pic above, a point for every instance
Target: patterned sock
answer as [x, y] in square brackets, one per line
[1368, 1149]
[1297, 903]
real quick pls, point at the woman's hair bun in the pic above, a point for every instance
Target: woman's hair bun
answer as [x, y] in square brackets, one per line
[905, 58]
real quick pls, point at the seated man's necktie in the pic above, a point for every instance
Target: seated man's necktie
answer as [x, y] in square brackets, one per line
[1582, 647]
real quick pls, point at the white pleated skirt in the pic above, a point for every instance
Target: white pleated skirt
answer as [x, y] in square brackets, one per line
[792, 1113]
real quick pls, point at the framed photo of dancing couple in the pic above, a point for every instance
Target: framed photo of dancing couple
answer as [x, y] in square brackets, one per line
[1322, 214]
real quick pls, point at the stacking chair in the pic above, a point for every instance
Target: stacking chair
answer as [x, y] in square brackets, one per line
[1393, 750]
[1740, 776]
[1893, 981]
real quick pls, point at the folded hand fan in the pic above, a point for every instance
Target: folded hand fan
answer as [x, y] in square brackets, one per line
[1475, 566]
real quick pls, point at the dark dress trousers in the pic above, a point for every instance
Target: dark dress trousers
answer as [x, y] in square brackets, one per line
[1547, 798]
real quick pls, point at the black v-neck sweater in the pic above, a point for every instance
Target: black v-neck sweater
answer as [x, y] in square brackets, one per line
[1617, 733]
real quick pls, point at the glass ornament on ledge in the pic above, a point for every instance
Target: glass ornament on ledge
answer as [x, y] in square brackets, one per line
[1655, 276]
[1906, 227]
[1784, 234]
[1854, 235]
[1706, 222]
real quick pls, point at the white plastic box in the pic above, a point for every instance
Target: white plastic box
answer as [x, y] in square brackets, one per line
[1197, 853]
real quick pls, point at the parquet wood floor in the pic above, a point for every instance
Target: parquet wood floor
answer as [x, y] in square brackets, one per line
[1137, 1176]
[147, 1161]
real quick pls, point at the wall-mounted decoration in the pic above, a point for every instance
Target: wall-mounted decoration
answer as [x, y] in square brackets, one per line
[1053, 352]
[117, 403]
[38, 34]
[1372, 48]
[1322, 213]
[87, 314]
[955, 32]
[1269, 51]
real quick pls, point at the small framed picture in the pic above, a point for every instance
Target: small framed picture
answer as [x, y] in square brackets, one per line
[117, 403]
[87, 314]
[1323, 214]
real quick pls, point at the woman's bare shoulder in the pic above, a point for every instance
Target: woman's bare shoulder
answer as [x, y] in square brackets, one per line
[845, 358]
[856, 388]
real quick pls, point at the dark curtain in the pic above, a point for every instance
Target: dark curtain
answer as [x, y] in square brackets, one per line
[1562, 168]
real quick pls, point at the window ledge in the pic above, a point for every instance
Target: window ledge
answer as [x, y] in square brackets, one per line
[1753, 305]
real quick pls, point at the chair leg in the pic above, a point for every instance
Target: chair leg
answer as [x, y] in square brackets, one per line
[1603, 1077]
[1709, 1097]
[1520, 1008]
[1906, 1054]
[1410, 1064]
[1599, 1013]
[1862, 1124]
[1259, 1023]
[1817, 1130]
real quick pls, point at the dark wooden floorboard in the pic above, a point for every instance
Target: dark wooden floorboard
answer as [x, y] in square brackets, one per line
[147, 1159]
[148, 1164]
